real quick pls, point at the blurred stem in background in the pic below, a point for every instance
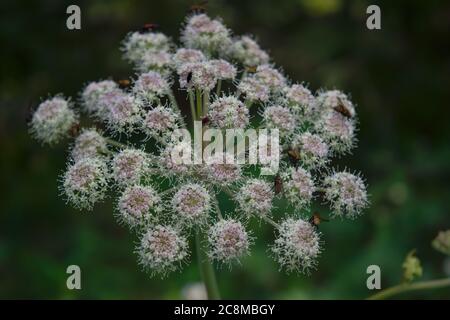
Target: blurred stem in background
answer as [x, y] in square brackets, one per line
[404, 287]
[206, 270]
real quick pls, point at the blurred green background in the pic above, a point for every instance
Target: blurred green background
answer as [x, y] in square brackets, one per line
[398, 76]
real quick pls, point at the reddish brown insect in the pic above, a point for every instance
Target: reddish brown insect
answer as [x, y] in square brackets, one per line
[278, 184]
[124, 83]
[74, 130]
[205, 120]
[342, 109]
[199, 7]
[148, 27]
[251, 69]
[317, 219]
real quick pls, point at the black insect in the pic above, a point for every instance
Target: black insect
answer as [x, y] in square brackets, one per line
[189, 77]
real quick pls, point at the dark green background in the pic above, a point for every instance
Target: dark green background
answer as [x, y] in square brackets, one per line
[398, 76]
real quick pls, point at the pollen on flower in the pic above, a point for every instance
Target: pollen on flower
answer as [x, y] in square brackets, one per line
[297, 247]
[86, 182]
[52, 120]
[129, 166]
[162, 249]
[192, 203]
[89, 144]
[137, 205]
[228, 241]
[347, 194]
[228, 112]
[255, 197]
[298, 187]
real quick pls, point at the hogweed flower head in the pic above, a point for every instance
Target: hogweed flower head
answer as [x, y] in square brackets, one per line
[298, 246]
[162, 249]
[228, 241]
[167, 184]
[298, 187]
[228, 112]
[86, 182]
[137, 205]
[129, 166]
[192, 203]
[347, 194]
[89, 144]
[52, 120]
[255, 197]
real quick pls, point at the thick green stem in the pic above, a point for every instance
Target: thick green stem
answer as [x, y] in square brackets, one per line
[206, 270]
[199, 103]
[219, 87]
[405, 287]
[192, 104]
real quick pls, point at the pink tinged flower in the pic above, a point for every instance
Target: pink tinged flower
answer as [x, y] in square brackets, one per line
[206, 34]
[248, 52]
[300, 98]
[129, 166]
[337, 130]
[136, 45]
[137, 205]
[93, 92]
[271, 77]
[228, 112]
[312, 149]
[224, 69]
[337, 101]
[162, 249]
[223, 174]
[89, 144]
[347, 194]
[255, 197]
[52, 120]
[254, 90]
[298, 187]
[86, 182]
[157, 61]
[200, 75]
[228, 240]
[280, 118]
[184, 55]
[150, 85]
[120, 110]
[297, 246]
[160, 121]
[192, 204]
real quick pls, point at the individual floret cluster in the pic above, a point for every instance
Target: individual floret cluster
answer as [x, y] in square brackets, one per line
[130, 147]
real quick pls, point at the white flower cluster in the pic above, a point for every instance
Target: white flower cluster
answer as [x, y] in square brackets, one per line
[164, 201]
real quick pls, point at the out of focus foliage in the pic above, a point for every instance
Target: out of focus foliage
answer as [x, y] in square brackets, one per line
[399, 77]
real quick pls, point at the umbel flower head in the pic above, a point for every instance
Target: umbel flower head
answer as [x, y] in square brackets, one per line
[53, 120]
[166, 187]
